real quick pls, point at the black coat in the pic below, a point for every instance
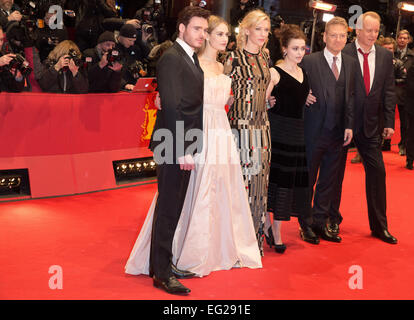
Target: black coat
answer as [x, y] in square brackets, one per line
[88, 22]
[8, 82]
[3, 16]
[129, 56]
[101, 80]
[181, 87]
[381, 99]
[42, 44]
[53, 81]
[315, 114]
[409, 106]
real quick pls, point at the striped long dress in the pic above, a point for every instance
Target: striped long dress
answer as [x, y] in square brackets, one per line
[249, 121]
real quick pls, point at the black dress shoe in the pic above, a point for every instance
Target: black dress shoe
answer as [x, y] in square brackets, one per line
[323, 232]
[385, 236]
[333, 228]
[172, 285]
[308, 235]
[181, 274]
[409, 164]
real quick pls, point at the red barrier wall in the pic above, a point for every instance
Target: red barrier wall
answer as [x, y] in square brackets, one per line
[68, 142]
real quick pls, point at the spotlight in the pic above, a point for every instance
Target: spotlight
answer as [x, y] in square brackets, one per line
[404, 6]
[323, 6]
[14, 183]
[318, 6]
[127, 171]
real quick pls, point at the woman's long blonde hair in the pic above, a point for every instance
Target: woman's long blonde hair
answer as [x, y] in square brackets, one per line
[63, 49]
[213, 22]
[252, 19]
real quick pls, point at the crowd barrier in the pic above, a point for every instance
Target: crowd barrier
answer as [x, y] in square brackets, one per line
[68, 142]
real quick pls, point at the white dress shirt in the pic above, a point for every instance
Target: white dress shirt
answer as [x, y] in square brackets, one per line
[371, 62]
[329, 58]
[186, 48]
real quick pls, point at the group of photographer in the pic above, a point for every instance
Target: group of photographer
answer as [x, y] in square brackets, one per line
[107, 54]
[11, 79]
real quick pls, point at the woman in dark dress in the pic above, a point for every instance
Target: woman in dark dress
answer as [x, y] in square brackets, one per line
[289, 193]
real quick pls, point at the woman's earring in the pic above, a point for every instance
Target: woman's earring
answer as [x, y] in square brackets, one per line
[284, 54]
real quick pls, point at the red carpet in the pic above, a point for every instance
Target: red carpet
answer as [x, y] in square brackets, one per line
[90, 237]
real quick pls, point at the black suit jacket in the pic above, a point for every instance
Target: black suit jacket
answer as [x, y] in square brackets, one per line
[381, 100]
[181, 87]
[410, 91]
[316, 113]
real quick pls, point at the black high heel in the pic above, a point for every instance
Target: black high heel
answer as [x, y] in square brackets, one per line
[280, 248]
[269, 238]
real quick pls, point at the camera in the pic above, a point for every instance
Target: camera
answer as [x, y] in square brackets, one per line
[137, 69]
[147, 28]
[112, 56]
[75, 57]
[72, 55]
[30, 13]
[21, 64]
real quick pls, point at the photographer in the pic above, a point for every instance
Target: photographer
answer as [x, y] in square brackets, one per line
[132, 56]
[47, 39]
[89, 15]
[62, 72]
[237, 13]
[144, 40]
[152, 24]
[9, 12]
[11, 80]
[104, 75]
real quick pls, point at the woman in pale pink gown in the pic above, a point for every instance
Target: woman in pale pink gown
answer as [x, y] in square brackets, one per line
[215, 231]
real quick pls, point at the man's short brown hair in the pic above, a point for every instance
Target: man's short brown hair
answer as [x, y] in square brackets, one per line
[336, 21]
[189, 12]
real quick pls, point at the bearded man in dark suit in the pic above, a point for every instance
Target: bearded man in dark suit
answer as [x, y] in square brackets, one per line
[181, 85]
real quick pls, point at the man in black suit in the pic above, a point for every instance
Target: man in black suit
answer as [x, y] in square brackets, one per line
[406, 55]
[374, 95]
[410, 117]
[328, 124]
[181, 86]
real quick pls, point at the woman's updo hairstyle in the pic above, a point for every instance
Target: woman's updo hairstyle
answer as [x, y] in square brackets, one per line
[290, 32]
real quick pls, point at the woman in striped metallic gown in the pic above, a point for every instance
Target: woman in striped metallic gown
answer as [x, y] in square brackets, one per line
[249, 70]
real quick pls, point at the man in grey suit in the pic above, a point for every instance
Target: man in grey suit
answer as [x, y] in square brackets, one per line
[328, 124]
[181, 86]
[374, 96]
